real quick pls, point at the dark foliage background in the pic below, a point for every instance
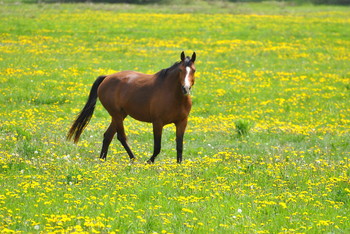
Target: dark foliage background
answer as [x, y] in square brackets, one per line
[317, 2]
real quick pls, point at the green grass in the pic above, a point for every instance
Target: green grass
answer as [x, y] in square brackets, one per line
[243, 127]
[266, 149]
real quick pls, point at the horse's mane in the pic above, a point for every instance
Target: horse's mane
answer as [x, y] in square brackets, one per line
[163, 73]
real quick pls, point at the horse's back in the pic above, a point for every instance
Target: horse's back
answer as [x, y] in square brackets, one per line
[128, 92]
[124, 82]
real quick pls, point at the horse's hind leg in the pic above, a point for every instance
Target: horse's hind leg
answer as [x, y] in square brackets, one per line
[107, 138]
[115, 127]
[122, 138]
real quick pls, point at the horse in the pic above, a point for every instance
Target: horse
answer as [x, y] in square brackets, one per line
[161, 98]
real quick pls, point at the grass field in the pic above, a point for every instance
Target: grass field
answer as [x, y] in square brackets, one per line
[281, 70]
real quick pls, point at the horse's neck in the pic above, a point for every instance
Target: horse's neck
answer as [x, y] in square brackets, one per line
[173, 76]
[172, 80]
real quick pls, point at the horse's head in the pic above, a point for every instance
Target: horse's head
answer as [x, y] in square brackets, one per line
[187, 70]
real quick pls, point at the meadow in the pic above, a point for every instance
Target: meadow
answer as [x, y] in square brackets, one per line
[280, 75]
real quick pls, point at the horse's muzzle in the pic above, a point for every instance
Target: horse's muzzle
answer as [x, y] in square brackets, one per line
[186, 90]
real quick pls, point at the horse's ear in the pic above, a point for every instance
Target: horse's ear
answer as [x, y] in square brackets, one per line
[183, 56]
[193, 57]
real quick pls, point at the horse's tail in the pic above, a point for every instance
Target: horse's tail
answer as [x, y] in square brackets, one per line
[86, 113]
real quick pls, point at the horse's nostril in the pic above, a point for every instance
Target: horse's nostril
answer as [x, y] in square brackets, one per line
[185, 91]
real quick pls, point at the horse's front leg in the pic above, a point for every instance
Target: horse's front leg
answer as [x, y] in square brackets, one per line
[180, 131]
[157, 135]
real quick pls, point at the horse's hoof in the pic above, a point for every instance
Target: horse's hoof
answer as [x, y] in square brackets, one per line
[149, 161]
[102, 159]
[132, 160]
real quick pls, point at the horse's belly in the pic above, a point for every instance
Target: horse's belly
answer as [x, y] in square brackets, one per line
[139, 111]
[148, 113]
[140, 116]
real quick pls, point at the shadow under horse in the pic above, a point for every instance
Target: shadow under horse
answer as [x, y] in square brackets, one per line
[162, 98]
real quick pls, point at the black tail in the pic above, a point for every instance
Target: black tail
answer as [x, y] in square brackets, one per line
[85, 115]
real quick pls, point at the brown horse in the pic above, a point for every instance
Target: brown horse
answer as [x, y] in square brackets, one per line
[160, 99]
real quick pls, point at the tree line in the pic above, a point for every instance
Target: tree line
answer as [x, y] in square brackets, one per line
[317, 2]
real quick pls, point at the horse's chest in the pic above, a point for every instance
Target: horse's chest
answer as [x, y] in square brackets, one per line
[175, 111]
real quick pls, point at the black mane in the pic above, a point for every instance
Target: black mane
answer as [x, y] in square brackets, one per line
[163, 73]
[187, 61]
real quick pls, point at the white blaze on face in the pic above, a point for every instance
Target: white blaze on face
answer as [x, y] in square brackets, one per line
[187, 84]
